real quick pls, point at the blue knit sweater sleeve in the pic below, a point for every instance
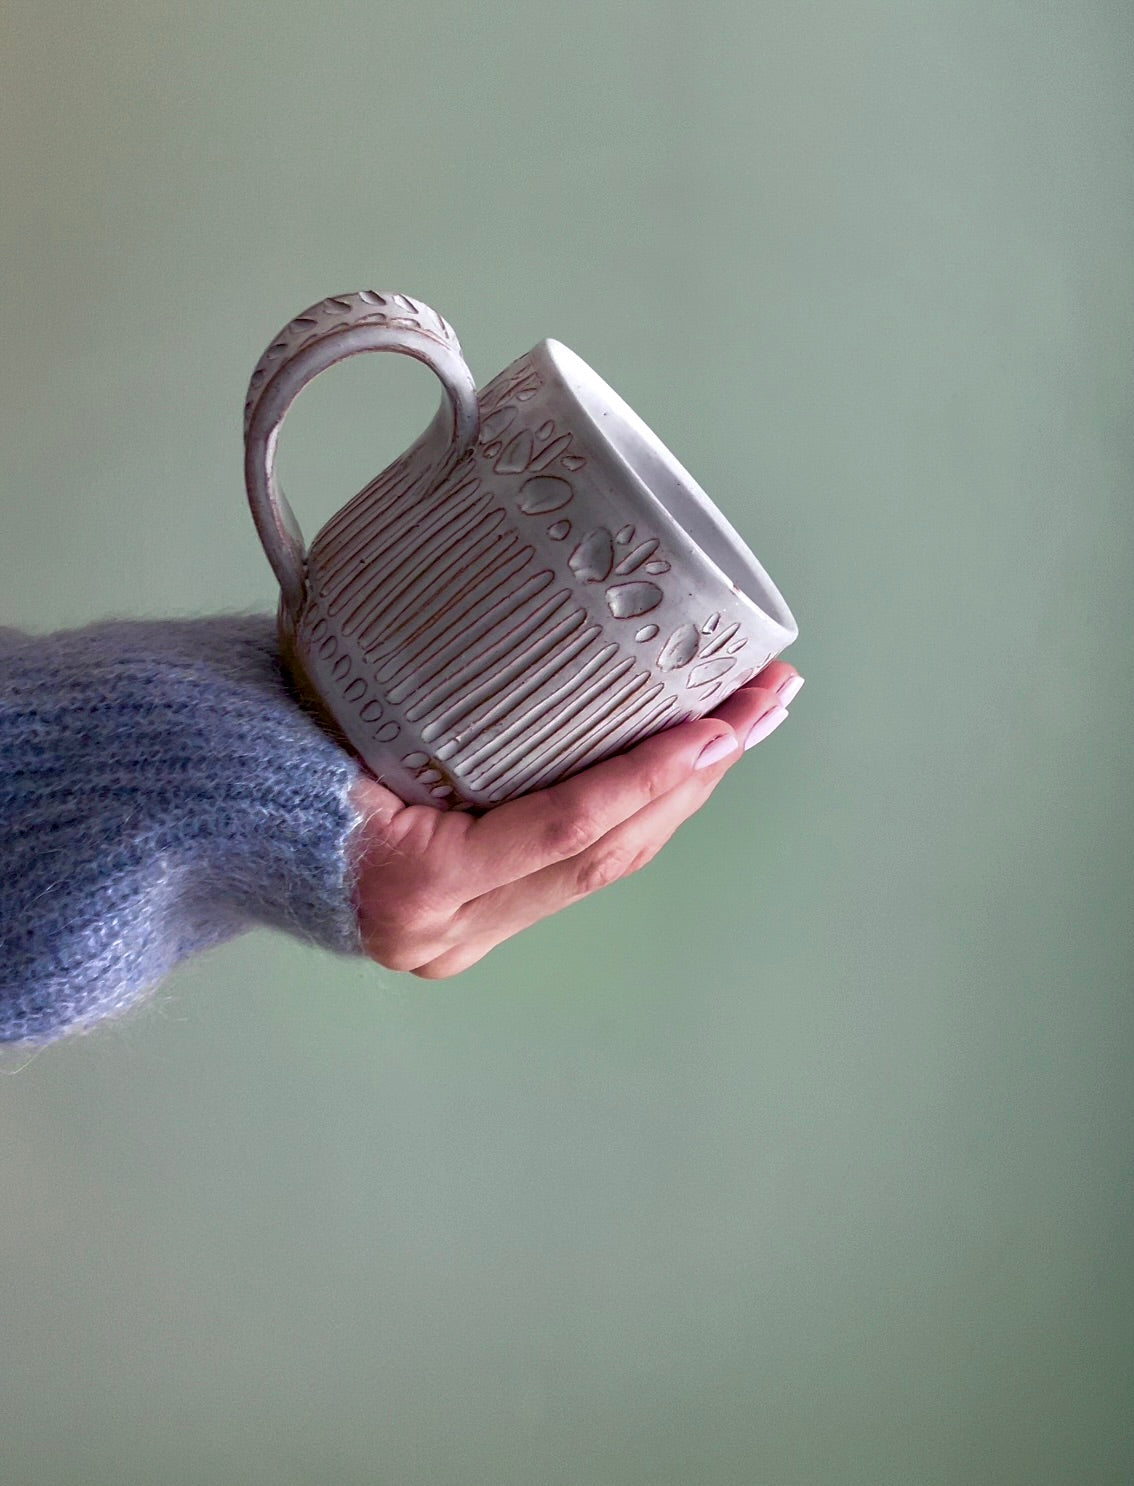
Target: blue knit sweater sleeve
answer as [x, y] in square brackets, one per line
[160, 791]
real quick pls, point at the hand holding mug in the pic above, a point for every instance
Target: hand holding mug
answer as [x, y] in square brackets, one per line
[436, 890]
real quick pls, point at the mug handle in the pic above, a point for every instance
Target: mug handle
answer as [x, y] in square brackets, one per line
[330, 331]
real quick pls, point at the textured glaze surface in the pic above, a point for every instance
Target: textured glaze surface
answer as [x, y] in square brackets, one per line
[480, 623]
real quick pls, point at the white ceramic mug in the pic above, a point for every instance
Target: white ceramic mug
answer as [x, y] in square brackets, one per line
[535, 585]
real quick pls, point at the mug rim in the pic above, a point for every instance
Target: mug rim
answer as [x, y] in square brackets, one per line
[589, 392]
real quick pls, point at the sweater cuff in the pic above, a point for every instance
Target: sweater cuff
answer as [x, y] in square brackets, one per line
[162, 789]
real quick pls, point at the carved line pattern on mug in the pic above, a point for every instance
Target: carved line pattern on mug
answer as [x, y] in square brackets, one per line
[452, 671]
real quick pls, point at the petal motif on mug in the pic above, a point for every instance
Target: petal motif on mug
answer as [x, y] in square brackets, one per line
[494, 425]
[549, 454]
[720, 640]
[710, 670]
[635, 559]
[679, 649]
[593, 558]
[517, 454]
[543, 493]
[628, 600]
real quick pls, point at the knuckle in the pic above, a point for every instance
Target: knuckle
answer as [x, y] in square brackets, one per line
[418, 911]
[452, 963]
[436, 970]
[417, 905]
[405, 933]
[603, 868]
[400, 957]
[641, 858]
[568, 834]
[658, 781]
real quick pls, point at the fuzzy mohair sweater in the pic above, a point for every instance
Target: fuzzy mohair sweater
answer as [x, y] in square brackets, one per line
[161, 790]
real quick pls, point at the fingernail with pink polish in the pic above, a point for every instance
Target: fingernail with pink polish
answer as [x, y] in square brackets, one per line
[720, 748]
[790, 690]
[767, 724]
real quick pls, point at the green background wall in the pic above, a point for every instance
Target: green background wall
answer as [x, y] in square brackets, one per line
[805, 1155]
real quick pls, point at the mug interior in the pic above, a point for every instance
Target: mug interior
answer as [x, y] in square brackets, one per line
[668, 482]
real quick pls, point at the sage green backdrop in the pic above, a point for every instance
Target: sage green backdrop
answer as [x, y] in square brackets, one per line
[804, 1156]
